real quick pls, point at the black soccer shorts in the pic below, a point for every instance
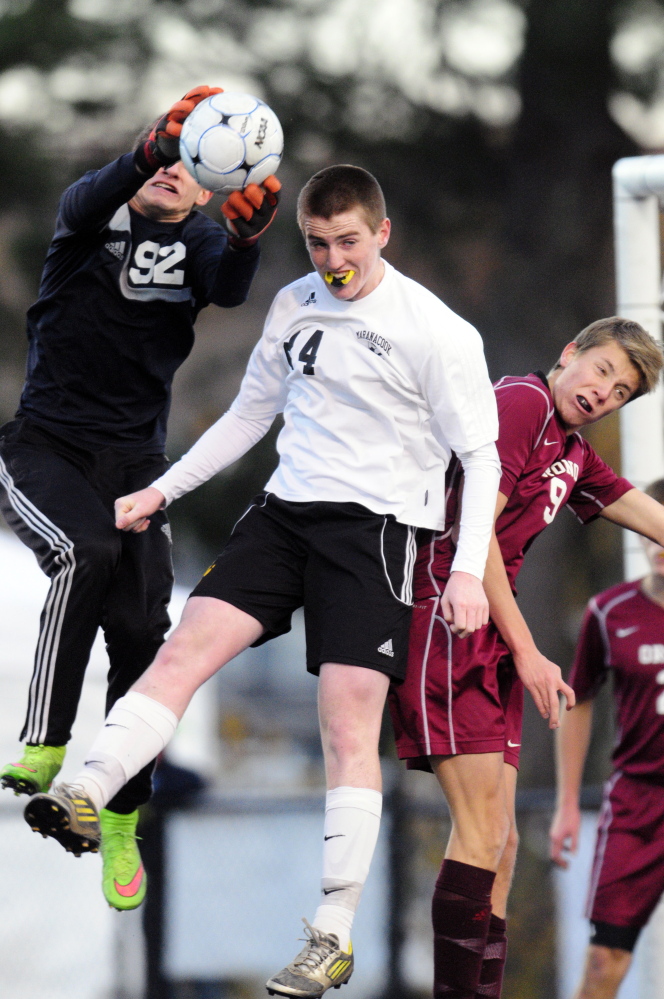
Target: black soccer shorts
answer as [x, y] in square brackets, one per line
[349, 568]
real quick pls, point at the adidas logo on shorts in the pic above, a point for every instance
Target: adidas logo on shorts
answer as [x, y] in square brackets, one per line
[386, 648]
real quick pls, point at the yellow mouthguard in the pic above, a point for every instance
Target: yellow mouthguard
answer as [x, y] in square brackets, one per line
[331, 278]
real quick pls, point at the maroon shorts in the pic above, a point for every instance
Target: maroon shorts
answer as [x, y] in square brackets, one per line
[628, 872]
[460, 695]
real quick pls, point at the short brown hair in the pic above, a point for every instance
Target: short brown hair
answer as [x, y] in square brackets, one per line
[642, 350]
[656, 490]
[341, 188]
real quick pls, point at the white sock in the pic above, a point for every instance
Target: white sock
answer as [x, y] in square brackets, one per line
[137, 729]
[352, 821]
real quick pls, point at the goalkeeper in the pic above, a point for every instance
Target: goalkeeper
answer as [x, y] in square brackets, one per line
[130, 266]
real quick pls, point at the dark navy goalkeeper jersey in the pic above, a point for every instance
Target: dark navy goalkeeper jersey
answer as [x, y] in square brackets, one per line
[116, 309]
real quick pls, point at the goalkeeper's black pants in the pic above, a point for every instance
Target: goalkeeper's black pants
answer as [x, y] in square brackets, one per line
[58, 497]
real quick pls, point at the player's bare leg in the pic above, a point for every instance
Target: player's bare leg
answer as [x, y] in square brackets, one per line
[505, 872]
[603, 973]
[210, 634]
[350, 708]
[140, 724]
[495, 954]
[476, 791]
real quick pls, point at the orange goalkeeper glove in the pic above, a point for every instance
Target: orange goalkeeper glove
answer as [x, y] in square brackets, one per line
[248, 213]
[162, 147]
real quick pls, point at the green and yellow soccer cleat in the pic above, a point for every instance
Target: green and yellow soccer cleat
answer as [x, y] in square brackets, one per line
[124, 881]
[320, 966]
[35, 771]
[66, 815]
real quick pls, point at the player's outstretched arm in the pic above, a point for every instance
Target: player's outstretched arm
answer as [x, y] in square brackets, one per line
[541, 678]
[132, 512]
[262, 393]
[225, 441]
[638, 512]
[572, 740]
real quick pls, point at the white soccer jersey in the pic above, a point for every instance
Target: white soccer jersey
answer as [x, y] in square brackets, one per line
[375, 395]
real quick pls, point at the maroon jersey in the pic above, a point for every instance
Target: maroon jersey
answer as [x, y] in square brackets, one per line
[623, 633]
[543, 469]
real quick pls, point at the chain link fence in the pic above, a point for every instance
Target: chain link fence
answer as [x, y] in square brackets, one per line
[235, 874]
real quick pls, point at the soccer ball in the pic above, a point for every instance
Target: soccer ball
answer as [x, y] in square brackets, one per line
[231, 140]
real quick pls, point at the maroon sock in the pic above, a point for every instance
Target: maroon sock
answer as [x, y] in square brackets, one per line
[460, 912]
[493, 966]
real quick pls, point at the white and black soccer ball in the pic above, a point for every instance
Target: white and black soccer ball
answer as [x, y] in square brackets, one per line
[231, 140]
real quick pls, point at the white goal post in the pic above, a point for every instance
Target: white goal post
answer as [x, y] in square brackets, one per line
[638, 190]
[638, 193]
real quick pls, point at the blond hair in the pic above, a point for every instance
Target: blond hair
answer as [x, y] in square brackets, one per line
[642, 350]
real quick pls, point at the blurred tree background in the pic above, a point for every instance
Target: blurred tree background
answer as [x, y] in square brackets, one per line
[491, 124]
